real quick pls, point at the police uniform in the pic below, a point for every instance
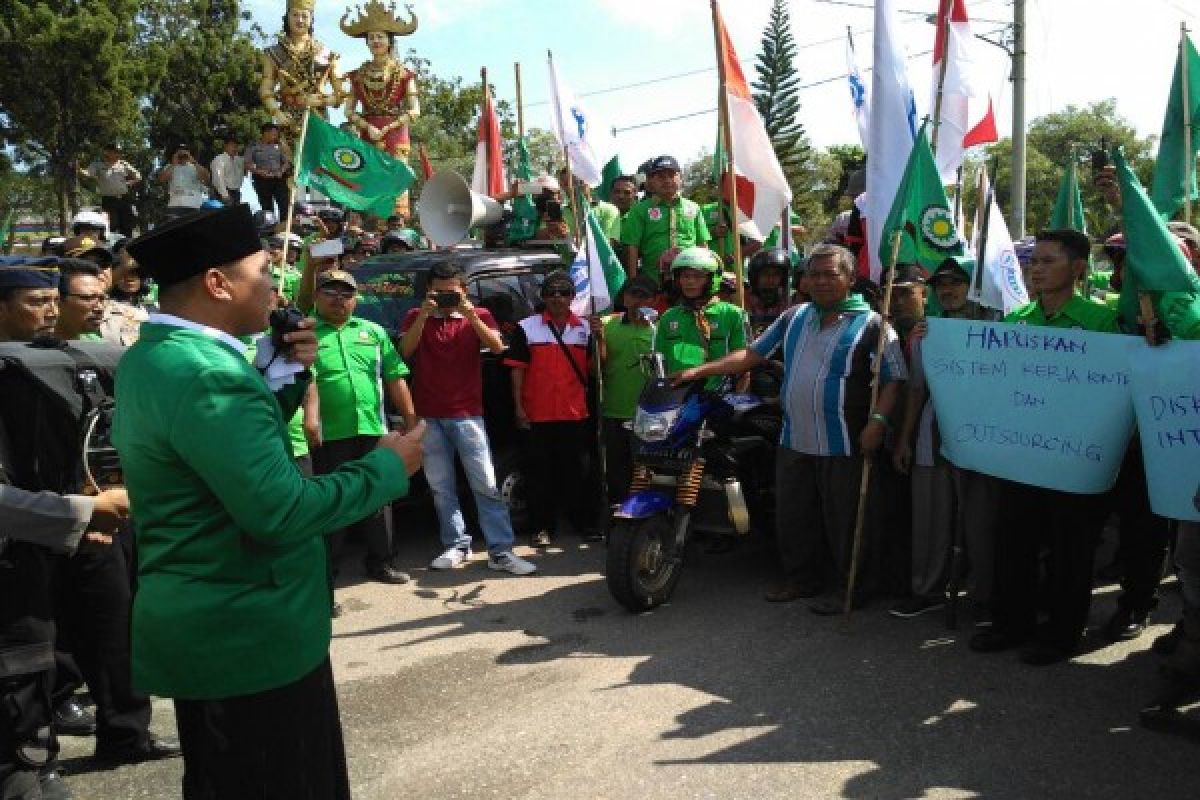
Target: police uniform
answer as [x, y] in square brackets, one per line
[27, 741]
[231, 618]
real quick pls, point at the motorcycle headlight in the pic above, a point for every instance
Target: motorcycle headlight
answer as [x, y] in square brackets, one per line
[654, 426]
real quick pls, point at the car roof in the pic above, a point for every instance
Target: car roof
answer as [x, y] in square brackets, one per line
[473, 261]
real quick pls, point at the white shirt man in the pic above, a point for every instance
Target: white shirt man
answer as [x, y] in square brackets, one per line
[228, 172]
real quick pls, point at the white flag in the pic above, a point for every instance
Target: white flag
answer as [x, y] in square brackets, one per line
[858, 93]
[1000, 283]
[587, 140]
[966, 117]
[893, 127]
[587, 272]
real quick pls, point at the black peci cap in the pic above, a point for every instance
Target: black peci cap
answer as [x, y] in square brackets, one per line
[193, 243]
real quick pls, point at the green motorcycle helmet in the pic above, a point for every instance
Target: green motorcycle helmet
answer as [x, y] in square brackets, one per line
[703, 259]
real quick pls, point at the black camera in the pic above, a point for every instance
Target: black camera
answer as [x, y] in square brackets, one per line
[1100, 155]
[446, 299]
[554, 211]
[284, 321]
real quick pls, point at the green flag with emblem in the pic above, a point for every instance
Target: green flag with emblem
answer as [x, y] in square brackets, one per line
[1175, 167]
[1068, 207]
[1153, 260]
[525, 215]
[351, 171]
[921, 213]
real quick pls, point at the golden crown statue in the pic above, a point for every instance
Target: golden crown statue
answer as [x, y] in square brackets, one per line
[376, 17]
[301, 5]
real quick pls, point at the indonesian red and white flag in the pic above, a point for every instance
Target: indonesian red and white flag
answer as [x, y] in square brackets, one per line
[489, 177]
[762, 190]
[966, 114]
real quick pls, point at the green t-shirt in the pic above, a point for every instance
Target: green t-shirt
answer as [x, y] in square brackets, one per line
[624, 344]
[607, 216]
[683, 346]
[1077, 313]
[290, 278]
[352, 362]
[648, 226]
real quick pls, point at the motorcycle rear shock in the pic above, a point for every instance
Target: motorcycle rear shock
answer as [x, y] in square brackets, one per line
[687, 491]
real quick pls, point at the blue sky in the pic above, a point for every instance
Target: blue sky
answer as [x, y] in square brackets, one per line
[1079, 51]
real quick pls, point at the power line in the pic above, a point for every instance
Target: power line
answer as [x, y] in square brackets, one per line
[690, 73]
[910, 12]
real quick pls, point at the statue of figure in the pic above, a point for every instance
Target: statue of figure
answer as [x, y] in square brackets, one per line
[296, 70]
[383, 90]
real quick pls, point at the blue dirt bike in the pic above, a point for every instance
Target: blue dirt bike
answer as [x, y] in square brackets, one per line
[703, 462]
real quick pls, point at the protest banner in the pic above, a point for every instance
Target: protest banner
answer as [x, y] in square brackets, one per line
[1166, 399]
[1047, 407]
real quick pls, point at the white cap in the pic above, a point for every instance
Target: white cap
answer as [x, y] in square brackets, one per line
[95, 219]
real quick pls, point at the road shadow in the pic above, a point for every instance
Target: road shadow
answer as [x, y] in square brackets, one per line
[905, 697]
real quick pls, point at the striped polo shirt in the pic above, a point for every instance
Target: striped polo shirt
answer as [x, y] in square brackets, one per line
[826, 393]
[552, 391]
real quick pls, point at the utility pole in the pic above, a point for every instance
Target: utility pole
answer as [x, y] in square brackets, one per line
[1018, 121]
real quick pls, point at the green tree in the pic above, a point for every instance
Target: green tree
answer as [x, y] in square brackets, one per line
[73, 79]
[1073, 132]
[208, 85]
[777, 96]
[698, 178]
[449, 121]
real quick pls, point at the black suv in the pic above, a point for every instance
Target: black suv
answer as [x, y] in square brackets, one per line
[506, 283]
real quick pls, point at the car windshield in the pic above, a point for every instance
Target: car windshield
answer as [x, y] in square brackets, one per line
[385, 297]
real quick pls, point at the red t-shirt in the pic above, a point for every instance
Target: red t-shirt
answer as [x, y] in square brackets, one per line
[447, 369]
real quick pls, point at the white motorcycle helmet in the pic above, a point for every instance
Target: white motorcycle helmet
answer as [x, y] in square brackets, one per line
[90, 219]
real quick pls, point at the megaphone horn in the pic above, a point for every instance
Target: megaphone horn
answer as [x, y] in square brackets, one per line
[448, 209]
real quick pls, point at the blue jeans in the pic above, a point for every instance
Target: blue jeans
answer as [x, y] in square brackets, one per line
[466, 435]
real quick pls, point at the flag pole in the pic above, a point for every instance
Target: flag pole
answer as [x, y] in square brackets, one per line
[297, 157]
[1190, 167]
[487, 100]
[727, 138]
[569, 189]
[944, 9]
[865, 483]
[520, 103]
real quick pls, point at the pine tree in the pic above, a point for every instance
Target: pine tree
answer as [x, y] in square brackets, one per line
[777, 96]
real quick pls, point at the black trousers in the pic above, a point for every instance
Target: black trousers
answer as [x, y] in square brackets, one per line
[1069, 526]
[26, 666]
[93, 601]
[281, 744]
[1143, 536]
[558, 462]
[120, 213]
[618, 458]
[272, 194]
[376, 529]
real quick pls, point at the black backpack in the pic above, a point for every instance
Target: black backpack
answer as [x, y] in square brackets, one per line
[56, 414]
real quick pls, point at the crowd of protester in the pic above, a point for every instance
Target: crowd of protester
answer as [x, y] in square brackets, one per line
[1021, 556]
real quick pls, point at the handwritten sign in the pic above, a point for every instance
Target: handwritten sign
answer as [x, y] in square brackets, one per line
[1166, 397]
[1043, 406]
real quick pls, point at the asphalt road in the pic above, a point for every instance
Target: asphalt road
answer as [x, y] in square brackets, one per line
[474, 684]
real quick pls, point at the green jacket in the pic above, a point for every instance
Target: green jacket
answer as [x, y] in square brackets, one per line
[232, 595]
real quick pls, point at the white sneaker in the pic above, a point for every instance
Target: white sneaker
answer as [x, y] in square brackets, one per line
[510, 562]
[450, 559]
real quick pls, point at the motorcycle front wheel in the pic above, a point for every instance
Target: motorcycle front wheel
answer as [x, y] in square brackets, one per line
[641, 575]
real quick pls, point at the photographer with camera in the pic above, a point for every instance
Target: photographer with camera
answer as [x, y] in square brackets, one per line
[187, 182]
[442, 340]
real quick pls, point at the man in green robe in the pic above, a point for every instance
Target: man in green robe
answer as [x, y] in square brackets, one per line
[231, 617]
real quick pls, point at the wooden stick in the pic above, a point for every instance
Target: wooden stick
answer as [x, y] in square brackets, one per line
[297, 155]
[944, 9]
[727, 137]
[864, 484]
[520, 103]
[1190, 167]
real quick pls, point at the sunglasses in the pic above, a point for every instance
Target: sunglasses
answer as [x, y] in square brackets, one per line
[558, 293]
